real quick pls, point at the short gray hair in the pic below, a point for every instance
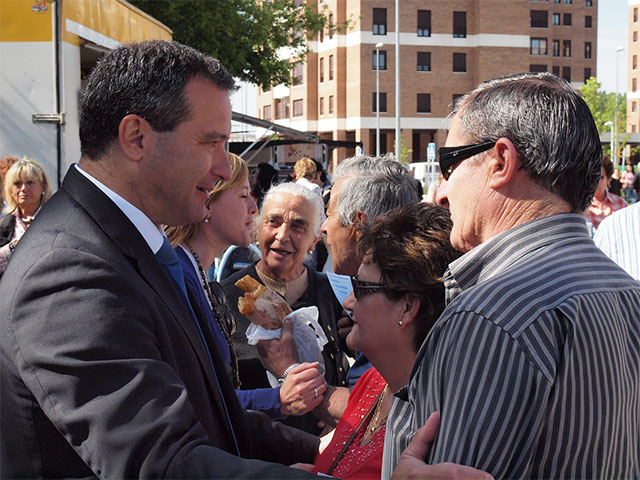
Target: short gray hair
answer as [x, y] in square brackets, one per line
[298, 190]
[373, 185]
[550, 126]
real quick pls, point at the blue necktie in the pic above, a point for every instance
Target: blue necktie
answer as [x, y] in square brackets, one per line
[169, 260]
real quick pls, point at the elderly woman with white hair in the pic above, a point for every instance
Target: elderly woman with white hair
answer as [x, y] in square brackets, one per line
[288, 228]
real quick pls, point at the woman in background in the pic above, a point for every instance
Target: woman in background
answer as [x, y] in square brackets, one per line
[288, 229]
[604, 203]
[230, 221]
[26, 189]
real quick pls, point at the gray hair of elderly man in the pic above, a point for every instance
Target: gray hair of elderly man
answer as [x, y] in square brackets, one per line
[290, 188]
[373, 186]
[550, 126]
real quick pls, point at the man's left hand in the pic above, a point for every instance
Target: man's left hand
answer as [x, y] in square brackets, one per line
[412, 464]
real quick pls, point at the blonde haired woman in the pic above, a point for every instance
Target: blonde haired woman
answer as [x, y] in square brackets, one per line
[230, 222]
[26, 189]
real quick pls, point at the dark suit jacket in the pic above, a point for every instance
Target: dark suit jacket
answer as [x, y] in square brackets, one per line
[103, 371]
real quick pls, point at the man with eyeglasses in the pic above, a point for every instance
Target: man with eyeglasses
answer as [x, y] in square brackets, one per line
[534, 365]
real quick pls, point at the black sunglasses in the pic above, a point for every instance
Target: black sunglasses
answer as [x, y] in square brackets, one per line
[221, 309]
[362, 288]
[449, 156]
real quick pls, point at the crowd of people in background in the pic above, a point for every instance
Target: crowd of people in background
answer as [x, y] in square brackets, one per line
[481, 330]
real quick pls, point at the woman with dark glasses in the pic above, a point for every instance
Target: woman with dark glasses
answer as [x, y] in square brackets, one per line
[231, 222]
[397, 296]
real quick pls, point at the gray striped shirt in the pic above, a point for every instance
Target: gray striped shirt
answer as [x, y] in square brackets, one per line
[534, 365]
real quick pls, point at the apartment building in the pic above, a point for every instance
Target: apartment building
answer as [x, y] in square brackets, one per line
[446, 48]
[633, 94]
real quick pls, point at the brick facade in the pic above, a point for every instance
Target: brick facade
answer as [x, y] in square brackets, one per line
[497, 41]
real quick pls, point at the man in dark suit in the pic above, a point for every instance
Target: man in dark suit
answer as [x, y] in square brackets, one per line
[106, 370]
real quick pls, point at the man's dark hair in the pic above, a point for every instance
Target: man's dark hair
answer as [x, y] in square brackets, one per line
[549, 124]
[147, 79]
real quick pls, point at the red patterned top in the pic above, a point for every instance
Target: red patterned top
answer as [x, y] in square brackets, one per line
[359, 462]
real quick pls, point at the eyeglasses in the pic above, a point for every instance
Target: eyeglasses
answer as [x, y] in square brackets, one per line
[221, 309]
[362, 288]
[449, 156]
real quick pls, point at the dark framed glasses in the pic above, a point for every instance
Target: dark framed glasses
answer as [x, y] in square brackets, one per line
[449, 156]
[362, 288]
[221, 309]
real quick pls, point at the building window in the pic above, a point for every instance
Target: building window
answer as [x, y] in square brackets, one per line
[330, 26]
[556, 48]
[587, 49]
[424, 103]
[538, 19]
[633, 129]
[634, 85]
[566, 73]
[635, 36]
[634, 62]
[459, 62]
[566, 48]
[555, 70]
[568, 2]
[297, 108]
[379, 21]
[330, 104]
[277, 107]
[556, 1]
[424, 23]
[383, 102]
[383, 60]
[587, 74]
[587, 21]
[330, 67]
[537, 68]
[633, 107]
[321, 69]
[635, 14]
[588, 3]
[538, 46]
[555, 19]
[321, 106]
[566, 19]
[266, 112]
[424, 61]
[297, 74]
[459, 24]
[322, 35]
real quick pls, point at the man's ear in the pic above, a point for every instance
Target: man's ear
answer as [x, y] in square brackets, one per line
[360, 218]
[504, 164]
[134, 136]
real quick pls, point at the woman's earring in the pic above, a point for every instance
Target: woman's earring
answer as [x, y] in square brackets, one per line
[206, 219]
[400, 323]
[310, 252]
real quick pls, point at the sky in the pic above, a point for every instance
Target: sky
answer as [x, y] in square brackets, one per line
[613, 27]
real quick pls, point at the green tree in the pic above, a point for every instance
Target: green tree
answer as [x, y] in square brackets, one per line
[245, 35]
[602, 106]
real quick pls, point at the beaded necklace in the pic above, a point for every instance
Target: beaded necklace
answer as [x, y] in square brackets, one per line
[213, 300]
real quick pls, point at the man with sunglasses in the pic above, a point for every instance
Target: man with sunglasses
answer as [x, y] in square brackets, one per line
[534, 365]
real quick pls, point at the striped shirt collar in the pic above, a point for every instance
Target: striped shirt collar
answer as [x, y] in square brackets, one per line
[494, 256]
